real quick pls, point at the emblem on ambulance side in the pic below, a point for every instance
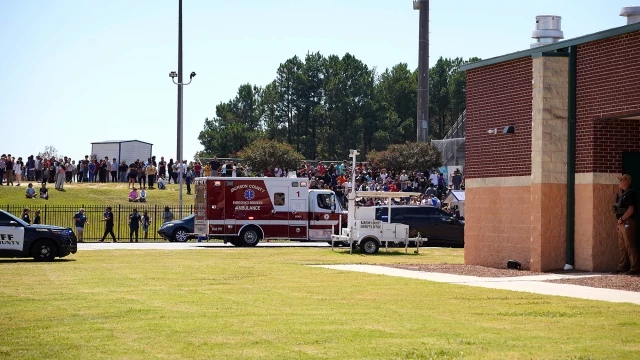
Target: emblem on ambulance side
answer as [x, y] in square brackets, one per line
[249, 194]
[326, 216]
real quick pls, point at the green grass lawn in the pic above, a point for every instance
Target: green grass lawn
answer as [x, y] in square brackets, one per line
[265, 303]
[91, 194]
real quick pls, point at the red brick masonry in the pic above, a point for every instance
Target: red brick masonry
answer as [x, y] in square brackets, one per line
[608, 87]
[497, 96]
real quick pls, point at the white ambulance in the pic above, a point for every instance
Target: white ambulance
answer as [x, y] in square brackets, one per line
[243, 211]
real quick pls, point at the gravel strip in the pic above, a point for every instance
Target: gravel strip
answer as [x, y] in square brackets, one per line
[618, 282]
[471, 270]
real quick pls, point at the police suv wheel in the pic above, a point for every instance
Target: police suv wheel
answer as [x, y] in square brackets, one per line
[180, 235]
[250, 236]
[369, 246]
[44, 250]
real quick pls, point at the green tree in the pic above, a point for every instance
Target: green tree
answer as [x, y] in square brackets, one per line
[49, 152]
[414, 156]
[394, 108]
[275, 126]
[286, 82]
[264, 153]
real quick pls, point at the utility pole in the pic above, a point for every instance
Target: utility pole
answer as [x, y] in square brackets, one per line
[180, 84]
[423, 70]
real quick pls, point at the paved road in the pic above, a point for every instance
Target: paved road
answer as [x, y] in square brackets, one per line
[189, 245]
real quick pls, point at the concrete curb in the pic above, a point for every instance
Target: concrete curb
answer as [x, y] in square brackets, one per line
[531, 284]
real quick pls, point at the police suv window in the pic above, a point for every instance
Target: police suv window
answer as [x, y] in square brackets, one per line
[5, 219]
[278, 199]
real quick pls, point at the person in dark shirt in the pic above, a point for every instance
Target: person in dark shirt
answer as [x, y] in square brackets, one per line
[133, 174]
[36, 220]
[134, 224]
[626, 213]
[338, 189]
[215, 166]
[25, 216]
[44, 192]
[108, 224]
[162, 168]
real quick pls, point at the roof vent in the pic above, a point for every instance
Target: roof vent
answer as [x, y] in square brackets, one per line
[632, 13]
[548, 30]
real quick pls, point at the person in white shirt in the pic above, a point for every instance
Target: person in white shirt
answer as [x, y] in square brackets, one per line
[17, 171]
[434, 178]
[161, 184]
[113, 166]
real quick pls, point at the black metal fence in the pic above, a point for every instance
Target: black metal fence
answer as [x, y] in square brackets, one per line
[62, 215]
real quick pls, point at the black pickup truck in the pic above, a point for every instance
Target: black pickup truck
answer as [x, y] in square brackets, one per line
[41, 242]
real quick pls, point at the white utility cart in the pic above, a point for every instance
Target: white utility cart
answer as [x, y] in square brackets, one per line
[365, 231]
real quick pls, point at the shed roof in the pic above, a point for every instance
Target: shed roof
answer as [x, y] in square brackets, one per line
[455, 196]
[119, 142]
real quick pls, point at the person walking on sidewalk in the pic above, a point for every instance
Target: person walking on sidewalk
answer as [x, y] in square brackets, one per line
[108, 224]
[626, 211]
[134, 224]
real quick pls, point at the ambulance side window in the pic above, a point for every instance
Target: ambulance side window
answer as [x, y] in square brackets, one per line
[278, 199]
[324, 201]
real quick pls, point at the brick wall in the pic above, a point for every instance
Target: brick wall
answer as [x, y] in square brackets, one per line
[497, 96]
[601, 142]
[608, 87]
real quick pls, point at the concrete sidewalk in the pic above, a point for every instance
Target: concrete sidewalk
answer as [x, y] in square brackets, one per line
[532, 284]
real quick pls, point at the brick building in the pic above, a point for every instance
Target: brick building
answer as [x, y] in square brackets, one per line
[543, 195]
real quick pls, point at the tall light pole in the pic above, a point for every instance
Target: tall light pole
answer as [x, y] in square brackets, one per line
[173, 75]
[423, 70]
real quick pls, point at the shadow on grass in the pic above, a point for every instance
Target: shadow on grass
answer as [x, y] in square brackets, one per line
[379, 253]
[24, 260]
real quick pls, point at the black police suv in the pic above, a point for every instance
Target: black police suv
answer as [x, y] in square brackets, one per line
[178, 230]
[42, 242]
[439, 227]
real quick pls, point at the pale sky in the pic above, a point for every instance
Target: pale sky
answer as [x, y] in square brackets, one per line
[76, 72]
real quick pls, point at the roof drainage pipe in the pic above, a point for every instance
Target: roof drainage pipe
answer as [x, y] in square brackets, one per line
[571, 160]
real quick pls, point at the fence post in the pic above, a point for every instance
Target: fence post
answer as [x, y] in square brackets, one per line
[119, 211]
[155, 218]
[45, 214]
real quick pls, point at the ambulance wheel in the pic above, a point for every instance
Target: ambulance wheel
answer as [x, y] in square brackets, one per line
[44, 250]
[369, 246]
[250, 236]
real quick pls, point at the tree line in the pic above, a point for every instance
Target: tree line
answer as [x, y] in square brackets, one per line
[324, 106]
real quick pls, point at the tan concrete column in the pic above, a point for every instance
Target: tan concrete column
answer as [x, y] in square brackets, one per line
[596, 237]
[549, 163]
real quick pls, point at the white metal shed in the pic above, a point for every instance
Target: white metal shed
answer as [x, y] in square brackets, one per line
[128, 150]
[456, 197]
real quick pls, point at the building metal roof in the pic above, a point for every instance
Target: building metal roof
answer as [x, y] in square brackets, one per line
[554, 47]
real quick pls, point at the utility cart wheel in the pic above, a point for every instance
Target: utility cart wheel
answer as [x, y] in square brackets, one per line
[369, 246]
